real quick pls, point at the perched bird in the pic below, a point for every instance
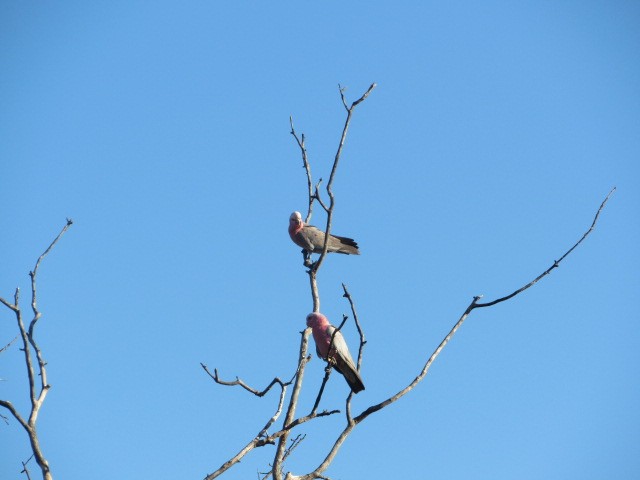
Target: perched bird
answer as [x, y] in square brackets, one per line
[312, 239]
[339, 357]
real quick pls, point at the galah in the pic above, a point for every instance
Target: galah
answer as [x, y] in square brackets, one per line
[311, 239]
[339, 357]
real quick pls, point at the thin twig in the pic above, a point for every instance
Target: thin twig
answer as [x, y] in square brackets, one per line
[306, 418]
[32, 274]
[9, 344]
[307, 167]
[238, 381]
[556, 263]
[363, 340]
[361, 345]
[24, 467]
[9, 406]
[325, 379]
[294, 443]
[8, 305]
[316, 196]
[262, 438]
[336, 161]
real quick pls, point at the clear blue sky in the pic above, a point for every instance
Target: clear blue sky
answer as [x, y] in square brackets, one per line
[161, 128]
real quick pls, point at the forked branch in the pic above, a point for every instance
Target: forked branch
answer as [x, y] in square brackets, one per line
[334, 168]
[37, 394]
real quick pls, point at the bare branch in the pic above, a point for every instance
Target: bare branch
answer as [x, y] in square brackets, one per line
[363, 340]
[8, 305]
[275, 416]
[555, 263]
[306, 418]
[28, 362]
[235, 459]
[8, 344]
[259, 440]
[263, 438]
[315, 295]
[327, 374]
[24, 467]
[336, 160]
[36, 396]
[316, 196]
[32, 274]
[294, 443]
[307, 167]
[293, 403]
[238, 381]
[9, 406]
[425, 369]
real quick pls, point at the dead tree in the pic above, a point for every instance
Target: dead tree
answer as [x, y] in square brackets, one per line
[36, 367]
[282, 439]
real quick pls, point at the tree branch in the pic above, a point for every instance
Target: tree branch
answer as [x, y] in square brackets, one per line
[28, 343]
[556, 263]
[293, 403]
[24, 468]
[238, 381]
[307, 167]
[8, 344]
[336, 160]
[317, 473]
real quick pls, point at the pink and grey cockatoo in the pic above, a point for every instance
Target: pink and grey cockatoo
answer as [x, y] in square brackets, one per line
[339, 357]
[311, 239]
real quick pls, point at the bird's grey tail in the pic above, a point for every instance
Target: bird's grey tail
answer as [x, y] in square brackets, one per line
[351, 375]
[347, 245]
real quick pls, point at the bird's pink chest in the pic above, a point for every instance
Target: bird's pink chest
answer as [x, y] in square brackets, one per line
[293, 232]
[322, 339]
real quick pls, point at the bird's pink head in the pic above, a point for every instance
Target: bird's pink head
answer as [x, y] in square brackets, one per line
[295, 219]
[316, 320]
[295, 223]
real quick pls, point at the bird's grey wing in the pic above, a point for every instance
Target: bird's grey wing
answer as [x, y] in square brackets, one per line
[343, 363]
[305, 239]
[341, 349]
[313, 237]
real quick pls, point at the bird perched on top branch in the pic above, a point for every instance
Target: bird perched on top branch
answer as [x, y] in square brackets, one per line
[311, 239]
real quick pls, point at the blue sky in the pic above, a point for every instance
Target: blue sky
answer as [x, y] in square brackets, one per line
[161, 128]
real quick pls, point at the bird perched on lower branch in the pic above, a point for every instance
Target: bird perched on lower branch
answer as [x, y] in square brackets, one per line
[339, 356]
[311, 238]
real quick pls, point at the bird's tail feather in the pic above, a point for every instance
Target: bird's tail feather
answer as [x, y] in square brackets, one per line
[351, 375]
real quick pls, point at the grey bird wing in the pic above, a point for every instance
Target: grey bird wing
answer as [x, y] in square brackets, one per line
[343, 362]
[306, 239]
[314, 238]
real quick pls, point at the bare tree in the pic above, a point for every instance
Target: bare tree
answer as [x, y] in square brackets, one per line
[36, 367]
[284, 445]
